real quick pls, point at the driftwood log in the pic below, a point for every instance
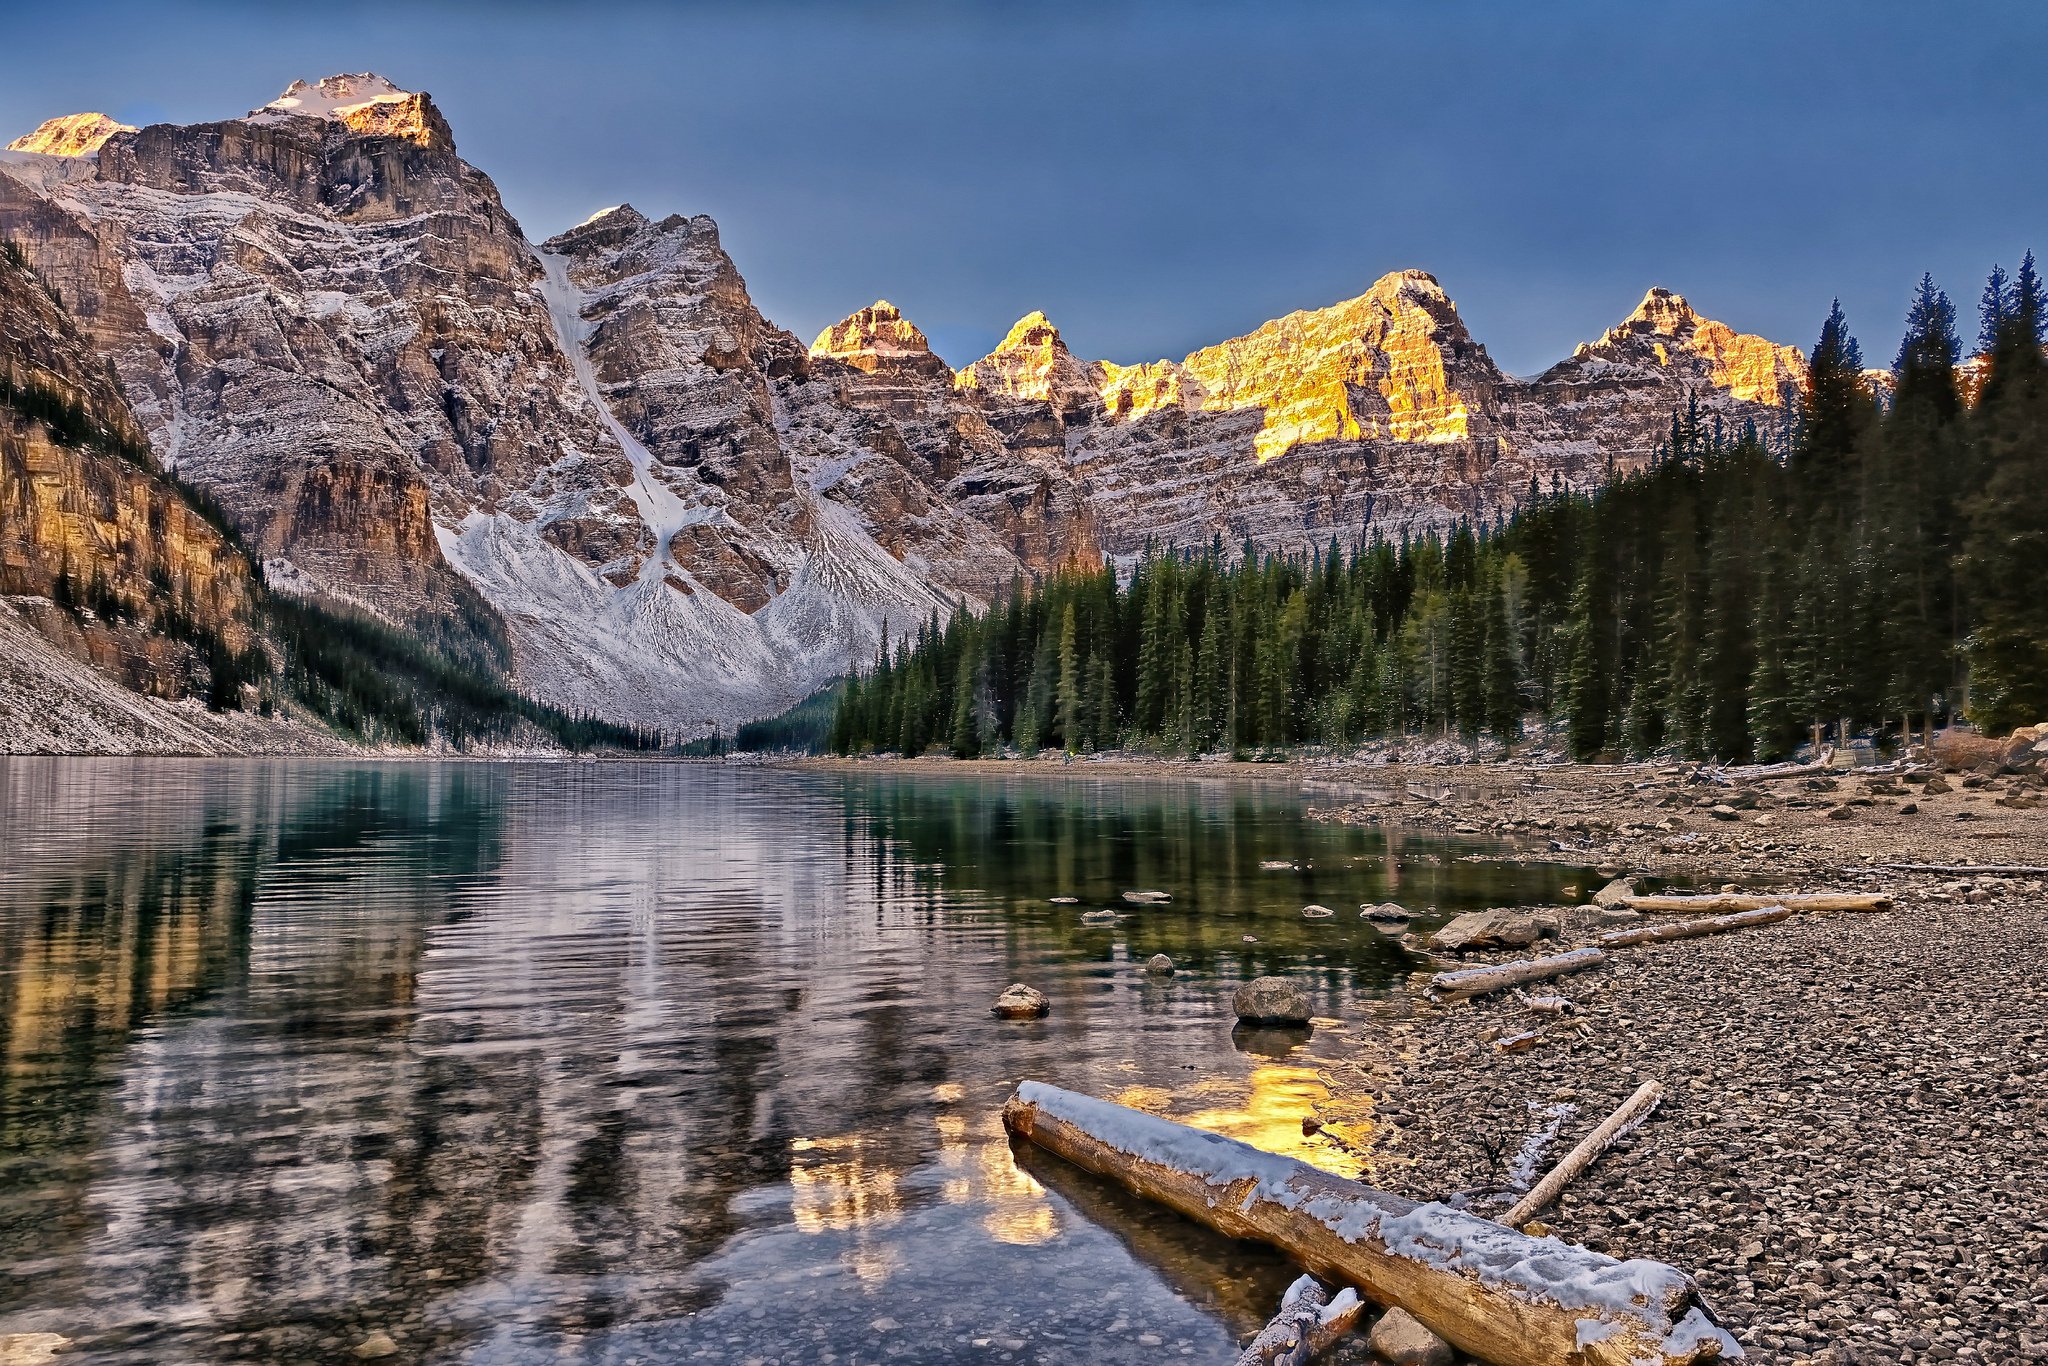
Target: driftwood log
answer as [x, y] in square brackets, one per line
[1309, 1322]
[1724, 903]
[1631, 1113]
[1466, 983]
[1488, 1290]
[1693, 929]
[1965, 870]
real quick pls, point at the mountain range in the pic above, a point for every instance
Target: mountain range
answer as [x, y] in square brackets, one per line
[596, 448]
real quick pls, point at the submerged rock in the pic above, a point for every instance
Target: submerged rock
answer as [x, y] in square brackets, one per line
[1271, 1001]
[1019, 1002]
[1400, 1340]
[1159, 965]
[1148, 898]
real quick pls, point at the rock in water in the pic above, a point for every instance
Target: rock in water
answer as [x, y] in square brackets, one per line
[1159, 965]
[1065, 900]
[1019, 1002]
[1148, 898]
[1271, 1001]
[1490, 930]
[1387, 912]
[1317, 912]
[1402, 1341]
[1615, 892]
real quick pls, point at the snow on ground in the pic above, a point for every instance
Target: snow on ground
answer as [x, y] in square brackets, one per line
[51, 703]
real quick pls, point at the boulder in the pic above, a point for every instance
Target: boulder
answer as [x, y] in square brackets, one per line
[1401, 1340]
[1019, 1002]
[1492, 930]
[1159, 965]
[1271, 1001]
[376, 1346]
[1615, 892]
[1387, 912]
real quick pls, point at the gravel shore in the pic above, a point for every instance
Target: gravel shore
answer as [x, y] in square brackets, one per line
[1852, 1149]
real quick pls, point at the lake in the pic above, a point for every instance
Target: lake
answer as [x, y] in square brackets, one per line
[525, 1062]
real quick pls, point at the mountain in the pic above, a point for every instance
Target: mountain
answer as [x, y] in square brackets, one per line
[593, 465]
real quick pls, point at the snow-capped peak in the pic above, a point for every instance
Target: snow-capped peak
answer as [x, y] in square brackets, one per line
[332, 97]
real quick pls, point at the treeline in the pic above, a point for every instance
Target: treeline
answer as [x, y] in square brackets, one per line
[1885, 560]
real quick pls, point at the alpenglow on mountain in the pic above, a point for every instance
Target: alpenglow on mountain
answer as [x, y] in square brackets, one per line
[680, 514]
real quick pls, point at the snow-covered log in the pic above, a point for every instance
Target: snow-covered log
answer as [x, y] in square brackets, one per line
[1466, 983]
[1309, 1322]
[1490, 1291]
[1630, 1113]
[1966, 869]
[1725, 903]
[1693, 929]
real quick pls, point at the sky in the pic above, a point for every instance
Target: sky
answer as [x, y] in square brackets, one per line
[1158, 177]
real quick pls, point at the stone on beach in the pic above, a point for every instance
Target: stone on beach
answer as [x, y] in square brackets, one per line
[1615, 892]
[1400, 1340]
[1492, 930]
[375, 1346]
[1271, 1001]
[1019, 1002]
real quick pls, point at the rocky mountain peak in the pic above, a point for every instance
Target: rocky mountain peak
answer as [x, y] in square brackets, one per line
[1033, 362]
[71, 135]
[1665, 313]
[1666, 332]
[365, 103]
[879, 340]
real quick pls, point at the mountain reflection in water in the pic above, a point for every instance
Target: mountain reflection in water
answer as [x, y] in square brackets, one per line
[639, 1062]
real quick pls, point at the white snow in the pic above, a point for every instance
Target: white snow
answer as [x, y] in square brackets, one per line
[329, 98]
[1535, 1269]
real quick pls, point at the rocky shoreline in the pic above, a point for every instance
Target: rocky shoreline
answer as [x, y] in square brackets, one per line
[1849, 1154]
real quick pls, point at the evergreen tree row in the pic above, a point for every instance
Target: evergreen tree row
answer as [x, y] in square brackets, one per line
[1884, 560]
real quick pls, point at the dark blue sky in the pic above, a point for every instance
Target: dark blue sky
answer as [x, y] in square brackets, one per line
[1161, 176]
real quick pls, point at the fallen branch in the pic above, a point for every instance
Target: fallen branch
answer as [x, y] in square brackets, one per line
[1722, 903]
[1309, 1322]
[1466, 983]
[1965, 870]
[1632, 1112]
[1490, 1291]
[1693, 929]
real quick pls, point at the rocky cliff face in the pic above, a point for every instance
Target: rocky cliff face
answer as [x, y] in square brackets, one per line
[327, 320]
[677, 513]
[107, 561]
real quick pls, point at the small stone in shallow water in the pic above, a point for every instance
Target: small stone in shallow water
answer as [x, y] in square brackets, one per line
[1271, 1001]
[1159, 965]
[1317, 912]
[1148, 898]
[1019, 1002]
[1386, 911]
[1065, 900]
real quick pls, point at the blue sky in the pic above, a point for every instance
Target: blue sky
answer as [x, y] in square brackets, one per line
[1160, 176]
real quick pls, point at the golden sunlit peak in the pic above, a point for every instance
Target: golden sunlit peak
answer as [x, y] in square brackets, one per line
[1665, 312]
[72, 135]
[1033, 329]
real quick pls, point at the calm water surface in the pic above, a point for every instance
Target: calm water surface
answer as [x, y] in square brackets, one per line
[648, 1063]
